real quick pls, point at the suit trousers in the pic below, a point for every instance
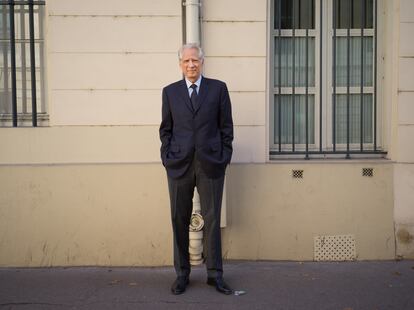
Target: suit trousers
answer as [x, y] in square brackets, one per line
[181, 195]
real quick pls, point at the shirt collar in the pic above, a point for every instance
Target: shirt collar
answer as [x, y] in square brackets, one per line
[198, 82]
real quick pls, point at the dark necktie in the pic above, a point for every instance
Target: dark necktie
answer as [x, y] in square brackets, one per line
[193, 97]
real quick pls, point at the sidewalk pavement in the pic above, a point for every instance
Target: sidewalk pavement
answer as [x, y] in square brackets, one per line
[269, 285]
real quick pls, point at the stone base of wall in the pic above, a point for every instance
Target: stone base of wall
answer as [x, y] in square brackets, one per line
[118, 214]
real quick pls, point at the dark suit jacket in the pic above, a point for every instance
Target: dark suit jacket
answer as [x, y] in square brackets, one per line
[206, 132]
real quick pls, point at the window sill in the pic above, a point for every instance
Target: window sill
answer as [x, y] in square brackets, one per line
[24, 120]
[362, 158]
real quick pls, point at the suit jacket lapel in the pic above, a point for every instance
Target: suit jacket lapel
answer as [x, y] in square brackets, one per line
[183, 92]
[202, 94]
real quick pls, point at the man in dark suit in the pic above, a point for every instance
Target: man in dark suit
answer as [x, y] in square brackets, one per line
[196, 135]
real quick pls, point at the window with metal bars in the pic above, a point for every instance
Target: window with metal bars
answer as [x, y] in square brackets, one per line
[22, 87]
[323, 78]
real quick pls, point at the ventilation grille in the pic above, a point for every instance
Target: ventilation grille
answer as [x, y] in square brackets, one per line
[334, 248]
[297, 174]
[367, 172]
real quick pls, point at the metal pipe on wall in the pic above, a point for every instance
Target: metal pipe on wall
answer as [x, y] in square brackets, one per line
[192, 35]
[192, 13]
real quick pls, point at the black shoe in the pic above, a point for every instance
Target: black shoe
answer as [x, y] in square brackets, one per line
[179, 285]
[220, 285]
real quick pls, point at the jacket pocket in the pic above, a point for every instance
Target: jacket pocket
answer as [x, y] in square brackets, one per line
[215, 147]
[174, 148]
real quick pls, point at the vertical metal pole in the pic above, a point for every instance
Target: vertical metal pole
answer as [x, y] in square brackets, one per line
[13, 62]
[362, 77]
[313, 9]
[6, 106]
[183, 22]
[375, 74]
[293, 75]
[193, 36]
[337, 5]
[334, 77]
[320, 76]
[42, 61]
[352, 13]
[192, 21]
[33, 64]
[23, 54]
[307, 92]
[348, 79]
[279, 96]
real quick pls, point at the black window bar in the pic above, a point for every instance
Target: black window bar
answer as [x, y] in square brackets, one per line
[293, 74]
[320, 79]
[334, 76]
[12, 41]
[282, 10]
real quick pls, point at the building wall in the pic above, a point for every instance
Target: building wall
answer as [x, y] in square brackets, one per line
[84, 215]
[118, 214]
[105, 60]
[404, 167]
[273, 216]
[235, 45]
[90, 189]
[106, 66]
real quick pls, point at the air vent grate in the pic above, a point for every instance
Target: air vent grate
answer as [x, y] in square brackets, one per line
[334, 248]
[297, 174]
[367, 172]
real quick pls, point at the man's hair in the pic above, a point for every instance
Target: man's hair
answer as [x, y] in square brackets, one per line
[195, 46]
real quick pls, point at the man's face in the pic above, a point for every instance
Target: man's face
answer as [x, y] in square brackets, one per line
[191, 65]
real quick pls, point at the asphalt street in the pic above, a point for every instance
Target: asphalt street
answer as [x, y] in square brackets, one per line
[372, 285]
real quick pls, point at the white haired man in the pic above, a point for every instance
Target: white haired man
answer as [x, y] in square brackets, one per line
[196, 135]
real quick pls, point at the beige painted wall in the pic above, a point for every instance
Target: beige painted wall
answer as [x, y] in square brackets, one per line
[118, 214]
[80, 144]
[106, 66]
[90, 190]
[274, 216]
[235, 43]
[84, 215]
[404, 169]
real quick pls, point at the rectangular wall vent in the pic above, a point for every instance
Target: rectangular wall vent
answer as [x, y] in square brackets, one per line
[367, 172]
[334, 248]
[297, 174]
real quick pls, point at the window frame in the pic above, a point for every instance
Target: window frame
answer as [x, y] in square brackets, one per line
[24, 52]
[323, 146]
[314, 33]
[328, 92]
